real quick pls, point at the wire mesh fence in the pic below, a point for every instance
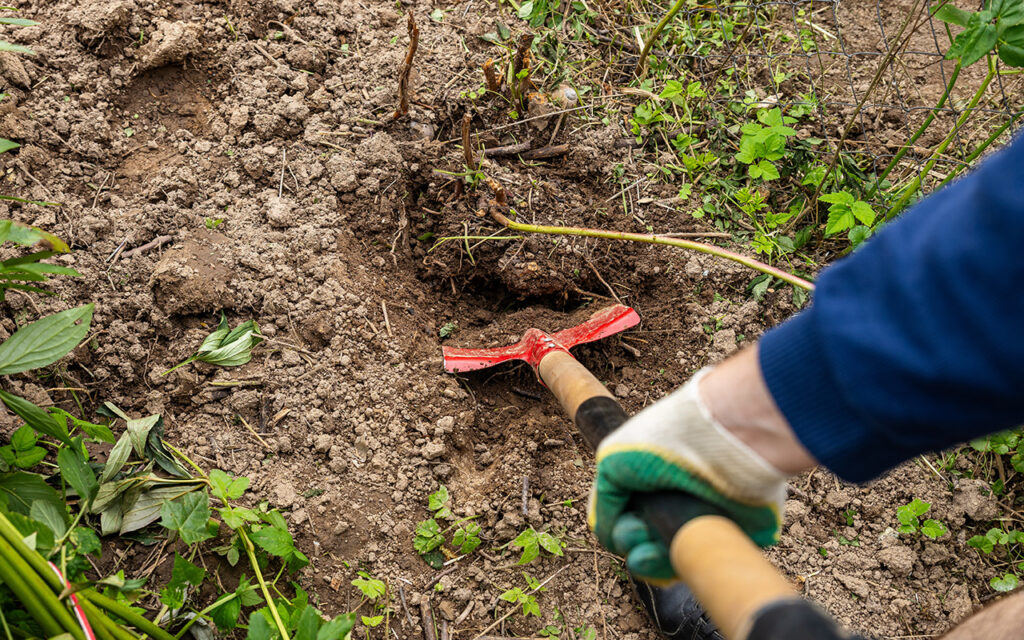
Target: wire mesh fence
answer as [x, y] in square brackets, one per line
[870, 73]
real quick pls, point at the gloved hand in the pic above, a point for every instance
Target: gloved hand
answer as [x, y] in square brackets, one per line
[675, 444]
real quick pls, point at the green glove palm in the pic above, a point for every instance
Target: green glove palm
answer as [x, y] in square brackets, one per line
[676, 445]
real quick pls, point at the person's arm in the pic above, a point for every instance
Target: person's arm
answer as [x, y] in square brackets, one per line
[914, 342]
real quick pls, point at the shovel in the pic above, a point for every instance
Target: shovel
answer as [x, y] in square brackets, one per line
[741, 591]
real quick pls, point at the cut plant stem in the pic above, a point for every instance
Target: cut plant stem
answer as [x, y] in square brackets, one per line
[920, 131]
[250, 551]
[406, 71]
[32, 601]
[981, 148]
[915, 185]
[796, 281]
[641, 65]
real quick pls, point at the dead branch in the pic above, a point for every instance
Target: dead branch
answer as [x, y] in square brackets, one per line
[510, 150]
[546, 152]
[427, 620]
[403, 75]
[159, 241]
[499, 191]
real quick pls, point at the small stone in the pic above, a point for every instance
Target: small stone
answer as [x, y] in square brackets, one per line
[621, 390]
[446, 423]
[322, 442]
[284, 444]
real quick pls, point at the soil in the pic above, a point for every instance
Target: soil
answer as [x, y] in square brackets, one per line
[328, 206]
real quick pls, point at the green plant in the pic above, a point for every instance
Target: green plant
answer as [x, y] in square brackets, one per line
[226, 347]
[909, 518]
[532, 541]
[998, 28]
[17, 22]
[849, 214]
[447, 329]
[1012, 547]
[764, 144]
[528, 601]
[429, 538]
[16, 272]
[213, 223]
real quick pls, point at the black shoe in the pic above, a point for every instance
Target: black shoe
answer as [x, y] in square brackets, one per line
[676, 614]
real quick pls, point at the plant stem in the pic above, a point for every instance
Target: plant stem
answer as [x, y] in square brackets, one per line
[251, 552]
[917, 134]
[981, 148]
[796, 281]
[915, 185]
[180, 364]
[139, 622]
[641, 65]
[32, 601]
[202, 614]
[34, 589]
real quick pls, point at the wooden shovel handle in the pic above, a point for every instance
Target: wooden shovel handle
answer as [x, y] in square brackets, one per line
[721, 565]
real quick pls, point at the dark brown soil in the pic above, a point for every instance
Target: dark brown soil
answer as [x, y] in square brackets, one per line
[323, 200]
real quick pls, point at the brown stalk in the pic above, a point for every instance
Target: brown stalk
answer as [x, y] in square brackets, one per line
[467, 146]
[403, 75]
[493, 83]
[520, 63]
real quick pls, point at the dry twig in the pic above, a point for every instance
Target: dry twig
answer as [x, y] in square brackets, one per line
[493, 83]
[467, 146]
[403, 75]
[155, 243]
[546, 152]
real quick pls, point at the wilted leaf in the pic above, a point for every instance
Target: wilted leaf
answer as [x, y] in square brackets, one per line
[35, 417]
[22, 489]
[118, 456]
[77, 473]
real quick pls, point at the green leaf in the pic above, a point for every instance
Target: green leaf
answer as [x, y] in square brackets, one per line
[36, 417]
[309, 623]
[188, 516]
[7, 145]
[512, 595]
[949, 13]
[138, 430]
[372, 621]
[550, 543]
[906, 515]
[858, 234]
[838, 197]
[182, 574]
[438, 499]
[530, 545]
[31, 528]
[226, 615]
[768, 170]
[259, 628]
[525, 10]
[338, 628]
[933, 529]
[840, 218]
[1011, 48]
[15, 48]
[118, 456]
[86, 540]
[237, 517]
[975, 42]
[227, 487]
[863, 212]
[369, 587]
[1006, 583]
[76, 472]
[274, 541]
[18, 22]
[53, 516]
[919, 507]
[44, 341]
[530, 606]
[22, 489]
[98, 432]
[427, 537]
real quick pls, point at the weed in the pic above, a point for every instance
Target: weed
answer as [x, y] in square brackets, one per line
[17, 22]
[447, 330]
[226, 347]
[1012, 547]
[909, 518]
[764, 142]
[532, 541]
[845, 213]
[429, 538]
[213, 223]
[528, 601]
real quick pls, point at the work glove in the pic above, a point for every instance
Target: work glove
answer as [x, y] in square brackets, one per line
[675, 444]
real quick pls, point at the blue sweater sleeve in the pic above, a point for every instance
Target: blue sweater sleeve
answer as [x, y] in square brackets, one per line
[916, 341]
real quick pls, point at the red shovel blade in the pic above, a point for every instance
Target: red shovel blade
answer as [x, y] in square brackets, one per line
[535, 344]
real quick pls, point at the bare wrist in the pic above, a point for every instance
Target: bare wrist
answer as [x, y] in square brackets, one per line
[736, 395]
